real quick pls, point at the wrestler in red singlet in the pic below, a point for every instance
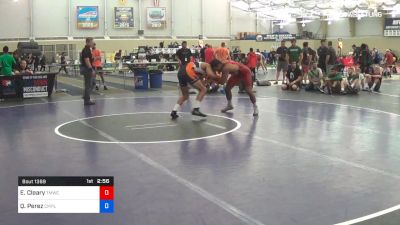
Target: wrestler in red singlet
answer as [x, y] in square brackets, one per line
[239, 73]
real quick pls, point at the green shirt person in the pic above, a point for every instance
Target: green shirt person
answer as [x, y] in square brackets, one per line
[7, 62]
[294, 52]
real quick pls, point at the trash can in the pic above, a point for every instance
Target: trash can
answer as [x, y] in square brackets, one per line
[155, 78]
[141, 78]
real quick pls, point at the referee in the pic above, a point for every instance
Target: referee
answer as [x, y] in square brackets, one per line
[87, 70]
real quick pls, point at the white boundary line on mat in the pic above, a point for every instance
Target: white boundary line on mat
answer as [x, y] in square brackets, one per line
[57, 130]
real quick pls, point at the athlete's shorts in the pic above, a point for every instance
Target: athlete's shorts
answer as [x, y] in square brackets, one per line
[186, 75]
[99, 68]
[244, 76]
[298, 84]
[282, 65]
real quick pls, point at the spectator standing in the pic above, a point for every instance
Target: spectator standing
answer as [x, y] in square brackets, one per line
[36, 63]
[86, 69]
[117, 58]
[306, 61]
[389, 61]
[43, 63]
[17, 60]
[331, 58]
[209, 54]
[202, 53]
[222, 54]
[63, 63]
[365, 58]
[252, 62]
[322, 52]
[98, 66]
[294, 53]
[184, 54]
[7, 62]
[283, 63]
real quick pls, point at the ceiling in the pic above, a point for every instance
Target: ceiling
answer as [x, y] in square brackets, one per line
[288, 11]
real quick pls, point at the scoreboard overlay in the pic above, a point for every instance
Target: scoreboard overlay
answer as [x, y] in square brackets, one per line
[65, 194]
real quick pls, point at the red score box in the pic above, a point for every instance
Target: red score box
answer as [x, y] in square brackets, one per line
[106, 192]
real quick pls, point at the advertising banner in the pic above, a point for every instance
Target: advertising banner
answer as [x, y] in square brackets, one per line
[392, 27]
[156, 17]
[275, 37]
[35, 86]
[87, 17]
[123, 17]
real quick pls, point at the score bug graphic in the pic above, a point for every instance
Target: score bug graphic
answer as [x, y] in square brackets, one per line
[66, 195]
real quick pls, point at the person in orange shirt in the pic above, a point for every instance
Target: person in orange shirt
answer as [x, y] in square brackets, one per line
[222, 53]
[252, 62]
[98, 66]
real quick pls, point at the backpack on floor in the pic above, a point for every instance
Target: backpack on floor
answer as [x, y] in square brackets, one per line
[263, 83]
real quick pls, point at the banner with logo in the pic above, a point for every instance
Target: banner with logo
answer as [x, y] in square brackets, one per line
[123, 17]
[35, 86]
[7, 87]
[87, 17]
[156, 17]
[392, 27]
[275, 37]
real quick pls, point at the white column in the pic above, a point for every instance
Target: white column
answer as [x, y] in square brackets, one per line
[256, 22]
[230, 19]
[31, 18]
[202, 18]
[105, 18]
[172, 18]
[69, 17]
[140, 15]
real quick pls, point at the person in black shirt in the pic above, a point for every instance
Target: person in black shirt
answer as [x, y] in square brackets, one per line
[36, 61]
[331, 59]
[283, 63]
[305, 61]
[322, 52]
[293, 77]
[117, 58]
[184, 55]
[202, 53]
[17, 60]
[43, 63]
[87, 69]
[63, 64]
[23, 68]
[356, 54]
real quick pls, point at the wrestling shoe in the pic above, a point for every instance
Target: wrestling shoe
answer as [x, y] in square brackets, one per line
[196, 112]
[255, 113]
[174, 115]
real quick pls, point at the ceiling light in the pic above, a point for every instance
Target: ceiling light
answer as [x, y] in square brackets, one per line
[281, 26]
[329, 22]
[303, 24]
